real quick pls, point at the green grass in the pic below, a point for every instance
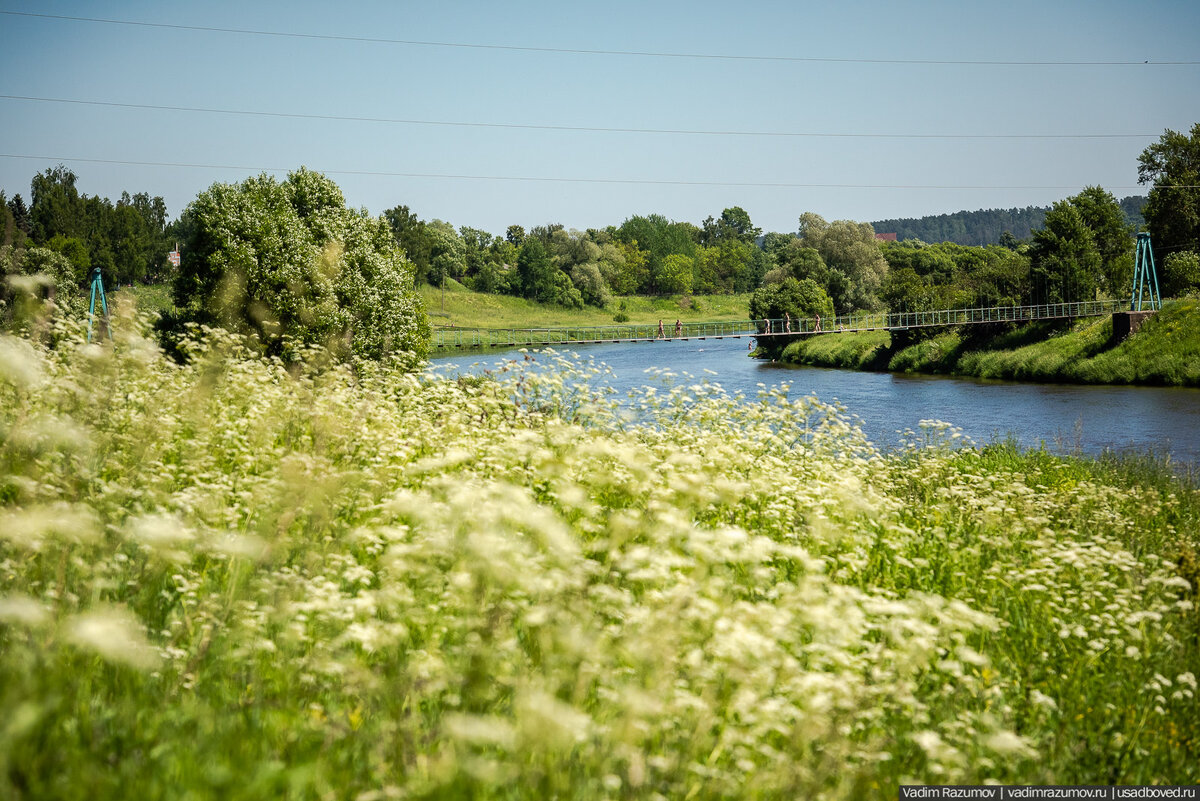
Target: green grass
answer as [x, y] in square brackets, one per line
[467, 309]
[147, 297]
[233, 578]
[1166, 351]
[854, 351]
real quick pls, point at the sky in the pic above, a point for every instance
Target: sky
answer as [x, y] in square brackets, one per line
[474, 112]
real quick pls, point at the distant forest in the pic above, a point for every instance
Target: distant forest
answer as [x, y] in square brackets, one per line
[985, 227]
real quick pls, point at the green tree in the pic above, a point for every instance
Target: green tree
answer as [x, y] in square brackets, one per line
[288, 261]
[55, 205]
[1112, 235]
[1064, 261]
[1181, 273]
[633, 274]
[906, 291]
[536, 271]
[797, 299]
[674, 276]
[1172, 210]
[734, 223]
[848, 248]
[409, 232]
[660, 238]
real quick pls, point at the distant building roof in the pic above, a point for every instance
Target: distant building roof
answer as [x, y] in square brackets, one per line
[886, 237]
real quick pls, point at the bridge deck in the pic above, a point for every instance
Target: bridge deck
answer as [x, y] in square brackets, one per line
[450, 337]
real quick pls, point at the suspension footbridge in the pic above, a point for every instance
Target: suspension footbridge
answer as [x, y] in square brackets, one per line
[451, 338]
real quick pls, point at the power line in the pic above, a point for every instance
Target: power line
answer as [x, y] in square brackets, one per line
[574, 128]
[546, 179]
[579, 51]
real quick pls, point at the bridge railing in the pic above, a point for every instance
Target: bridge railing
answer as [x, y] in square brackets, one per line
[448, 337]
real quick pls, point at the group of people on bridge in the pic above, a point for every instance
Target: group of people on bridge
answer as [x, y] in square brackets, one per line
[678, 328]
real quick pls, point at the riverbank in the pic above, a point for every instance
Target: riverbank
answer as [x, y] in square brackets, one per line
[1165, 352]
[516, 577]
[464, 308]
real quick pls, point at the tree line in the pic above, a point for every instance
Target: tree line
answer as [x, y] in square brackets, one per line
[989, 226]
[289, 263]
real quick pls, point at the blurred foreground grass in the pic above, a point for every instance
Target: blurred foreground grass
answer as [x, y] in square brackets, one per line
[233, 579]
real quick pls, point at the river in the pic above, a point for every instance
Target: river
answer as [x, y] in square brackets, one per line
[1063, 417]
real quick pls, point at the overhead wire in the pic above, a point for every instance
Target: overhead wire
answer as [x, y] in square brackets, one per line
[572, 128]
[554, 179]
[593, 52]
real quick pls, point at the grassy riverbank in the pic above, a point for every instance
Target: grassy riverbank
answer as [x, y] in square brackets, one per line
[467, 309]
[1166, 351]
[233, 579]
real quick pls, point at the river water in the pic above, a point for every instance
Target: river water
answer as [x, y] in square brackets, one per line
[1062, 417]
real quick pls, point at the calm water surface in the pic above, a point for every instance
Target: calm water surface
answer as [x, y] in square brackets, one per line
[1064, 417]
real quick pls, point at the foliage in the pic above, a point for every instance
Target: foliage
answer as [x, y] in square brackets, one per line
[989, 226]
[472, 309]
[289, 262]
[30, 276]
[946, 275]
[231, 578]
[1172, 166]
[1064, 261]
[797, 299]
[127, 240]
[1181, 273]
[850, 251]
[410, 234]
[1165, 351]
[674, 275]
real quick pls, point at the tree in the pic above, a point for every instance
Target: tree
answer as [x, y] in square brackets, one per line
[798, 299]
[674, 276]
[848, 248]
[288, 261]
[1172, 211]
[659, 237]
[906, 291]
[55, 205]
[1064, 261]
[734, 223]
[1112, 235]
[1181, 273]
[20, 215]
[536, 270]
[410, 234]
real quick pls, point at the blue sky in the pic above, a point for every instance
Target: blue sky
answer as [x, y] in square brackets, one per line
[156, 66]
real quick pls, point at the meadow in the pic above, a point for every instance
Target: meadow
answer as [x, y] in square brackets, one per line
[467, 309]
[242, 579]
[1166, 351]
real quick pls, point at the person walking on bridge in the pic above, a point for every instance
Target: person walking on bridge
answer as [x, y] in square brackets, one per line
[787, 323]
[766, 326]
[678, 327]
[817, 327]
[660, 330]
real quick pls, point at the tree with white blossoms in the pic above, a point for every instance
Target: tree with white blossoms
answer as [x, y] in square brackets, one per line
[288, 263]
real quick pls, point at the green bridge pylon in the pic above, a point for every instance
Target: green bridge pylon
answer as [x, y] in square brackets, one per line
[98, 288]
[1145, 278]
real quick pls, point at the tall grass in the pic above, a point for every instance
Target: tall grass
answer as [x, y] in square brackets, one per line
[232, 578]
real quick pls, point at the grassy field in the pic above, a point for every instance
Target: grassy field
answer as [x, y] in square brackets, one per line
[1165, 351]
[467, 309]
[233, 579]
